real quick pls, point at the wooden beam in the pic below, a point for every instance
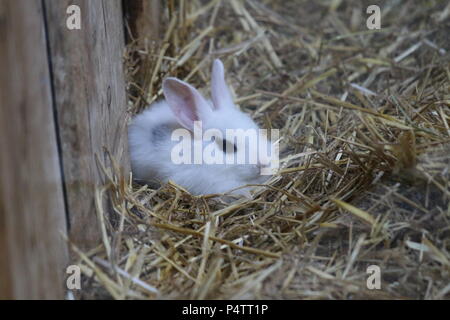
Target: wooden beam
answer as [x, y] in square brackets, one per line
[143, 18]
[90, 101]
[32, 217]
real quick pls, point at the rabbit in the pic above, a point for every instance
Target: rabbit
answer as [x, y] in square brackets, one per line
[151, 145]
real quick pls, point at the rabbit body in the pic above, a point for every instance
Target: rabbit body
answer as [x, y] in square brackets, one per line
[151, 145]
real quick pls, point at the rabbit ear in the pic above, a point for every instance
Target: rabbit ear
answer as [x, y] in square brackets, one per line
[187, 104]
[220, 93]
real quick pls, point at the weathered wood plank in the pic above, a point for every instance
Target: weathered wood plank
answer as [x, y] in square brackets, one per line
[90, 101]
[143, 17]
[32, 252]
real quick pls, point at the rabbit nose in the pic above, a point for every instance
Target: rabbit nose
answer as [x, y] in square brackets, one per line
[264, 168]
[262, 165]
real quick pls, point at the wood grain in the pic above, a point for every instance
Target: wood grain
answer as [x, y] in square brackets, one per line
[32, 252]
[143, 17]
[90, 101]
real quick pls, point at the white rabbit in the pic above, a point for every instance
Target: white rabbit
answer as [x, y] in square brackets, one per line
[151, 145]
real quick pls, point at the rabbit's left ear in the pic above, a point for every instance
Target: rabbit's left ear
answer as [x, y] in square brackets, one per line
[220, 93]
[186, 103]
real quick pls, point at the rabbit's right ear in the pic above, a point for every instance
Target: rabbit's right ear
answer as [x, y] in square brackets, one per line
[220, 93]
[186, 103]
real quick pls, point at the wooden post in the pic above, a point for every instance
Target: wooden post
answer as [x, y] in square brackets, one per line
[32, 216]
[143, 17]
[90, 100]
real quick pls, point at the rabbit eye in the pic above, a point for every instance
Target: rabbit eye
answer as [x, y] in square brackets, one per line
[228, 146]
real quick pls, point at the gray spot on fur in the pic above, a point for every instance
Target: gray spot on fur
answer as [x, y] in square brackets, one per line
[160, 132]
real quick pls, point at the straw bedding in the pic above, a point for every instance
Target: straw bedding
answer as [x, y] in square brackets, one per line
[365, 158]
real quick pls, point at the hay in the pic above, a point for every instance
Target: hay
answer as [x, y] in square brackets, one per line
[364, 119]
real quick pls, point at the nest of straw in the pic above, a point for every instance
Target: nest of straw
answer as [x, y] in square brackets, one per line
[365, 158]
